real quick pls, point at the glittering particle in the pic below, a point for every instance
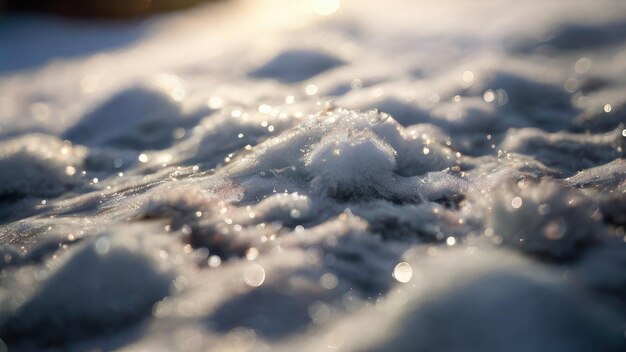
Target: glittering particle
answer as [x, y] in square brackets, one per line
[311, 89]
[143, 158]
[624, 132]
[178, 94]
[70, 170]
[252, 253]
[426, 150]
[582, 65]
[290, 99]
[516, 202]
[502, 97]
[607, 108]
[356, 84]
[295, 213]
[554, 230]
[571, 85]
[95, 180]
[214, 261]
[450, 241]
[319, 312]
[254, 275]
[215, 103]
[489, 96]
[265, 109]
[180, 283]
[468, 76]
[403, 272]
[329, 281]
[102, 245]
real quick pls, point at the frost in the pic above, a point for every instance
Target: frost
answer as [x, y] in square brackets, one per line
[356, 164]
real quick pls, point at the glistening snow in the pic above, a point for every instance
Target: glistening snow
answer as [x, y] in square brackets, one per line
[182, 183]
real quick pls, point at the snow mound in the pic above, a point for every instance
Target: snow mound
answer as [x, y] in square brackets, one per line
[39, 165]
[141, 117]
[297, 65]
[479, 300]
[567, 152]
[545, 219]
[352, 165]
[82, 291]
[346, 154]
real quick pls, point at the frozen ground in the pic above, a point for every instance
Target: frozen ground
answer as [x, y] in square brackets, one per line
[185, 183]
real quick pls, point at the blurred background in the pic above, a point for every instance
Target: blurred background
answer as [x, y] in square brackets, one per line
[115, 9]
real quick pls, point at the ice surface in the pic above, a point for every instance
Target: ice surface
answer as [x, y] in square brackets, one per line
[397, 175]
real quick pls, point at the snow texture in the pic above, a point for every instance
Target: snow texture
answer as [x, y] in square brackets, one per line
[280, 175]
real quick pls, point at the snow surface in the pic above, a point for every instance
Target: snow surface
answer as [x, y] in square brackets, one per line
[258, 176]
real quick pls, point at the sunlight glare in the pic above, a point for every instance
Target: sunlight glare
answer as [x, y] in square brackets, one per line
[325, 7]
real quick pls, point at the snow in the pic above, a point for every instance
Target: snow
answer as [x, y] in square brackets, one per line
[38, 165]
[80, 294]
[316, 176]
[354, 164]
[296, 65]
[568, 223]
